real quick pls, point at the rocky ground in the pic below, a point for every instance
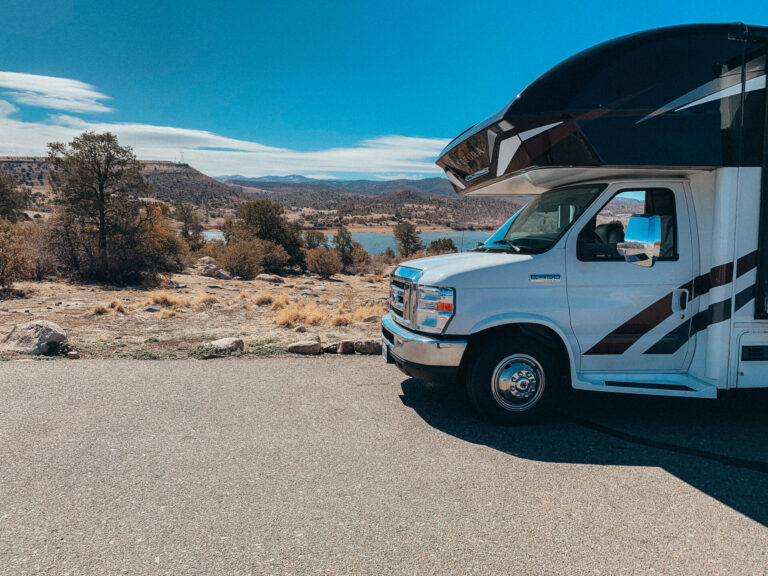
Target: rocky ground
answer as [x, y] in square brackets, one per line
[270, 315]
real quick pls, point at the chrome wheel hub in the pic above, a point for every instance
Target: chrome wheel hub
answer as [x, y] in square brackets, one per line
[518, 382]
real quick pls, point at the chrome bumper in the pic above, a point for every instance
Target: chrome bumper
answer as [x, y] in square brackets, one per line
[415, 348]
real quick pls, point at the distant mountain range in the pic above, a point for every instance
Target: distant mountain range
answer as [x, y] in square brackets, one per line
[289, 178]
[300, 184]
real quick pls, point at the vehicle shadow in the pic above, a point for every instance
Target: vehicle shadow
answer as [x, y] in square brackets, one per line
[719, 447]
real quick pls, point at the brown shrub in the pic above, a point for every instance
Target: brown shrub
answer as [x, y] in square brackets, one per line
[243, 258]
[323, 261]
[14, 262]
[166, 313]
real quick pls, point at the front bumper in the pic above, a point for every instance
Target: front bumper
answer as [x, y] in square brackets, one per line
[419, 356]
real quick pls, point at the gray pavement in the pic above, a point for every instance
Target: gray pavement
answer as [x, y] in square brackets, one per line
[344, 466]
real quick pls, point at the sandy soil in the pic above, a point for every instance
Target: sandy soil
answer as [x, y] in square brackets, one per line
[178, 331]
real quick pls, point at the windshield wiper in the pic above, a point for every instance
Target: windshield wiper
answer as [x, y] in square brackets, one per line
[507, 243]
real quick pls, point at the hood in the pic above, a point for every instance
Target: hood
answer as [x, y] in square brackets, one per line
[439, 269]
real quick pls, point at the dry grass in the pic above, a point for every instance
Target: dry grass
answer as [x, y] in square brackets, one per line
[168, 313]
[100, 310]
[244, 295]
[300, 313]
[168, 300]
[279, 302]
[263, 298]
[117, 306]
[345, 318]
[205, 300]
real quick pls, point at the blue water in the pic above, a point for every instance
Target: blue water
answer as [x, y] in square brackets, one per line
[376, 243]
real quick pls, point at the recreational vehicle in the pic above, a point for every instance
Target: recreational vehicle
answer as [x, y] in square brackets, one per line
[640, 262]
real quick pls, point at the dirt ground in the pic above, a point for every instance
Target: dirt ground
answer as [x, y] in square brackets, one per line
[191, 310]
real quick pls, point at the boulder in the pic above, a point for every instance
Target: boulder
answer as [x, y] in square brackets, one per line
[213, 271]
[73, 355]
[309, 281]
[226, 345]
[152, 308]
[307, 293]
[305, 347]
[346, 347]
[270, 278]
[331, 348]
[319, 288]
[300, 329]
[368, 347]
[204, 260]
[35, 337]
[373, 318]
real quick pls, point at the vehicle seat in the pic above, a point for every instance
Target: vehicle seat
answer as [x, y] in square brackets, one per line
[667, 237]
[610, 233]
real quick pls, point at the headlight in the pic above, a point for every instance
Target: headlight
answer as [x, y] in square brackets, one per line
[434, 308]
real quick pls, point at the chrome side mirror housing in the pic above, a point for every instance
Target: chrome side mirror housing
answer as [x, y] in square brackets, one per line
[642, 241]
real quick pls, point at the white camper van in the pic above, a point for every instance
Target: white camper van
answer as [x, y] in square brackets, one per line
[640, 262]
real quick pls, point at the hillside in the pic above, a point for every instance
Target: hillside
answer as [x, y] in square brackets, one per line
[170, 182]
[319, 205]
[292, 184]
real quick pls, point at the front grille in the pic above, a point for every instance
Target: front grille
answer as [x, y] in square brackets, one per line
[401, 295]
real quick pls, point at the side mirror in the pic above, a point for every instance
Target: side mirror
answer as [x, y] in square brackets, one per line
[642, 241]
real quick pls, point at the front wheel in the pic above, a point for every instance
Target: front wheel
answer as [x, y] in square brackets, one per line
[513, 379]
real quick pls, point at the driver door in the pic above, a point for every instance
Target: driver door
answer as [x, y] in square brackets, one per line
[625, 317]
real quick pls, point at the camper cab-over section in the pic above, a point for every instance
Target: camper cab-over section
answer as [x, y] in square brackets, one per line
[639, 263]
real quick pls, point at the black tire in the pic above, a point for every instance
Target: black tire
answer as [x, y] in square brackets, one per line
[514, 379]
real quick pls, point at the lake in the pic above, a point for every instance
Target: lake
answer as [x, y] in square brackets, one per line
[376, 243]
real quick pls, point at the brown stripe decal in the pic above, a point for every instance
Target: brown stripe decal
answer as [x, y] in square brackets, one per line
[746, 263]
[619, 341]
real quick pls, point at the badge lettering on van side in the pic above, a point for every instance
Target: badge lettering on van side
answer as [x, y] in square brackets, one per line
[545, 277]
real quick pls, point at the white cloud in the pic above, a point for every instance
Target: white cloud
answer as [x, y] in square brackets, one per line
[211, 153]
[52, 93]
[218, 155]
[6, 108]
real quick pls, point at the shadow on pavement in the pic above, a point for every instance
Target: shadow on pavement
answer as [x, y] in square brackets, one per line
[719, 447]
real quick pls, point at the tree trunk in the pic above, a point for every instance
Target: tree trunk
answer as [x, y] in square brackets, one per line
[102, 237]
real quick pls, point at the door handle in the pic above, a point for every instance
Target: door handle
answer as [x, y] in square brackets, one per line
[679, 300]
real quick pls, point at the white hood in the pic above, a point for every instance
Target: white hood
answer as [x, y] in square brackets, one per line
[438, 269]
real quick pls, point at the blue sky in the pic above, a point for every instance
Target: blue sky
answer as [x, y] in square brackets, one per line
[339, 89]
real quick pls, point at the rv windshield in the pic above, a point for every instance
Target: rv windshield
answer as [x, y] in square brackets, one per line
[546, 218]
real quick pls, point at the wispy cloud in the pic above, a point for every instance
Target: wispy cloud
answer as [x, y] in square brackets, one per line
[52, 93]
[209, 152]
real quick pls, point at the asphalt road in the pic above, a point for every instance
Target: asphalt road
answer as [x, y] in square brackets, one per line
[344, 466]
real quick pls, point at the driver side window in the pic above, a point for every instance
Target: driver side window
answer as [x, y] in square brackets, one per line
[598, 239]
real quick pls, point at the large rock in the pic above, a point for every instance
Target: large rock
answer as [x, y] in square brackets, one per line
[35, 337]
[331, 348]
[305, 347]
[226, 346]
[346, 347]
[270, 278]
[368, 347]
[213, 271]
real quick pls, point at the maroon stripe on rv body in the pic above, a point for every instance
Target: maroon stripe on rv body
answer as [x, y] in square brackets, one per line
[746, 263]
[619, 341]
